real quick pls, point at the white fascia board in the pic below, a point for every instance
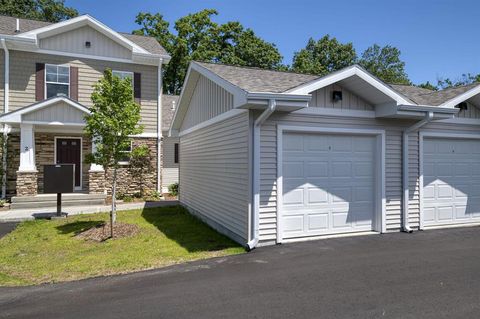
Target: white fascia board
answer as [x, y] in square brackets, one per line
[428, 108]
[16, 116]
[461, 98]
[413, 111]
[346, 73]
[80, 21]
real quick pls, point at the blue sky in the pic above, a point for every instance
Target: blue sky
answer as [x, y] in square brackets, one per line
[437, 38]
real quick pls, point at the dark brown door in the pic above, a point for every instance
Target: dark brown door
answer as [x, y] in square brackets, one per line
[69, 152]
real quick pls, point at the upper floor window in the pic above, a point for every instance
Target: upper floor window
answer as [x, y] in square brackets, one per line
[123, 75]
[57, 80]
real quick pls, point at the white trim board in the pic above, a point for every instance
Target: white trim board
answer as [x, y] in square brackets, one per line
[421, 140]
[216, 119]
[380, 214]
[78, 188]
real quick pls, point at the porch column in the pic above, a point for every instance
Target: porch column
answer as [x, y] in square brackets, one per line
[96, 176]
[27, 172]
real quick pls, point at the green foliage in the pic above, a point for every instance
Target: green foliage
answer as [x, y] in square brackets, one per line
[385, 63]
[199, 38]
[429, 86]
[113, 117]
[324, 56]
[44, 10]
[2, 202]
[446, 83]
[173, 189]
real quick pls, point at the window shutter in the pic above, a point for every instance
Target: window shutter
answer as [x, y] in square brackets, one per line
[176, 153]
[74, 83]
[137, 84]
[40, 81]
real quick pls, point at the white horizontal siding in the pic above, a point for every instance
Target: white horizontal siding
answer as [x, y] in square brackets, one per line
[208, 100]
[169, 167]
[214, 175]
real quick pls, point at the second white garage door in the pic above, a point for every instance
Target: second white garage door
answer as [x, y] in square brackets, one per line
[328, 184]
[451, 179]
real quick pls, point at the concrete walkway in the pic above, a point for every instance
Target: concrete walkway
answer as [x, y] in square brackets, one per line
[16, 215]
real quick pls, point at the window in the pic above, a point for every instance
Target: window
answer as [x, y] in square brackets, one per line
[126, 158]
[175, 156]
[57, 80]
[123, 75]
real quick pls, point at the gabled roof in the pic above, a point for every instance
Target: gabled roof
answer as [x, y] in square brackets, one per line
[169, 105]
[423, 96]
[252, 79]
[16, 116]
[29, 27]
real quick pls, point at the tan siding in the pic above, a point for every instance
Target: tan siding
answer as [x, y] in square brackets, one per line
[22, 81]
[323, 98]
[2, 80]
[58, 112]
[169, 167]
[393, 164]
[74, 41]
[208, 101]
[214, 180]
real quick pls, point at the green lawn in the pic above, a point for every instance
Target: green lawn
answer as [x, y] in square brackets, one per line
[47, 251]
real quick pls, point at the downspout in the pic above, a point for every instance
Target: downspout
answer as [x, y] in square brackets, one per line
[405, 180]
[272, 105]
[6, 128]
[159, 127]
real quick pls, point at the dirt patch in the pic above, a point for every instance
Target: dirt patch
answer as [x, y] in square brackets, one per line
[168, 196]
[101, 232]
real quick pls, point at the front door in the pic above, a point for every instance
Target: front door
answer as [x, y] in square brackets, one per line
[69, 152]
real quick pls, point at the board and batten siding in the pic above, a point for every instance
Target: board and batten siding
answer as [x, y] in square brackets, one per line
[22, 81]
[169, 167]
[323, 98]
[472, 112]
[208, 100]
[74, 41]
[60, 111]
[214, 176]
[393, 165]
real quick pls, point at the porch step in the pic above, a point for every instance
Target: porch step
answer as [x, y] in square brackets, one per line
[50, 200]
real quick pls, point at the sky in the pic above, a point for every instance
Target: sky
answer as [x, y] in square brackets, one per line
[438, 39]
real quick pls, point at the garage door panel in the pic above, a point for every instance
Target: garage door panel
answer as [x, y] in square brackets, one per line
[451, 190]
[335, 194]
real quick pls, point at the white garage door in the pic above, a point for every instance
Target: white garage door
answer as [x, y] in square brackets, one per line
[328, 184]
[451, 181]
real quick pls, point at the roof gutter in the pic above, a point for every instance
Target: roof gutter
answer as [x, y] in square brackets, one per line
[405, 180]
[255, 218]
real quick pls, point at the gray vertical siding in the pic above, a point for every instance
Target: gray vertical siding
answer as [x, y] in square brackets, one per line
[323, 98]
[208, 101]
[214, 179]
[169, 167]
[74, 41]
[59, 111]
[472, 112]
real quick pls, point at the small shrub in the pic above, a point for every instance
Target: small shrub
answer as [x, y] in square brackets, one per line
[127, 199]
[173, 189]
[2, 203]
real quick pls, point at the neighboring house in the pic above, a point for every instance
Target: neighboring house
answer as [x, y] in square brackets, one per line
[269, 157]
[47, 72]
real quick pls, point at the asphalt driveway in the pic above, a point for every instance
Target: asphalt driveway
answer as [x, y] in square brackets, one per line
[431, 274]
[5, 228]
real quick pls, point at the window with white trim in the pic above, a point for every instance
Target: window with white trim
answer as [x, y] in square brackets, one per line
[125, 160]
[57, 80]
[123, 75]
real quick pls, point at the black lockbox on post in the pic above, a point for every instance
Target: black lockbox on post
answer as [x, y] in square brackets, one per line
[59, 178]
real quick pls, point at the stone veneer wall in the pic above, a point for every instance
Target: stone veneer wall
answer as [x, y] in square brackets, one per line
[13, 162]
[26, 183]
[126, 183]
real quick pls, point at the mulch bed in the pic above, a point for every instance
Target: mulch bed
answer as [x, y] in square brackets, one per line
[167, 196]
[101, 232]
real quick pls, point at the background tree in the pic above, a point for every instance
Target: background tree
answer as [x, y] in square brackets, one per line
[45, 10]
[429, 86]
[324, 56]
[385, 63]
[199, 38]
[114, 116]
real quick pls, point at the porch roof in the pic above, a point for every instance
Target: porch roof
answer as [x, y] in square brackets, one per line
[59, 110]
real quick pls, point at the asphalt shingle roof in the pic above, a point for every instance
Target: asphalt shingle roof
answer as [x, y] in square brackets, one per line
[428, 97]
[8, 25]
[167, 110]
[258, 80]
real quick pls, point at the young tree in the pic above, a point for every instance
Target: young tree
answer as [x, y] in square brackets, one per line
[45, 10]
[199, 38]
[113, 117]
[385, 63]
[324, 56]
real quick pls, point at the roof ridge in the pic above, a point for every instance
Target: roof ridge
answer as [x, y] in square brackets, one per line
[28, 19]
